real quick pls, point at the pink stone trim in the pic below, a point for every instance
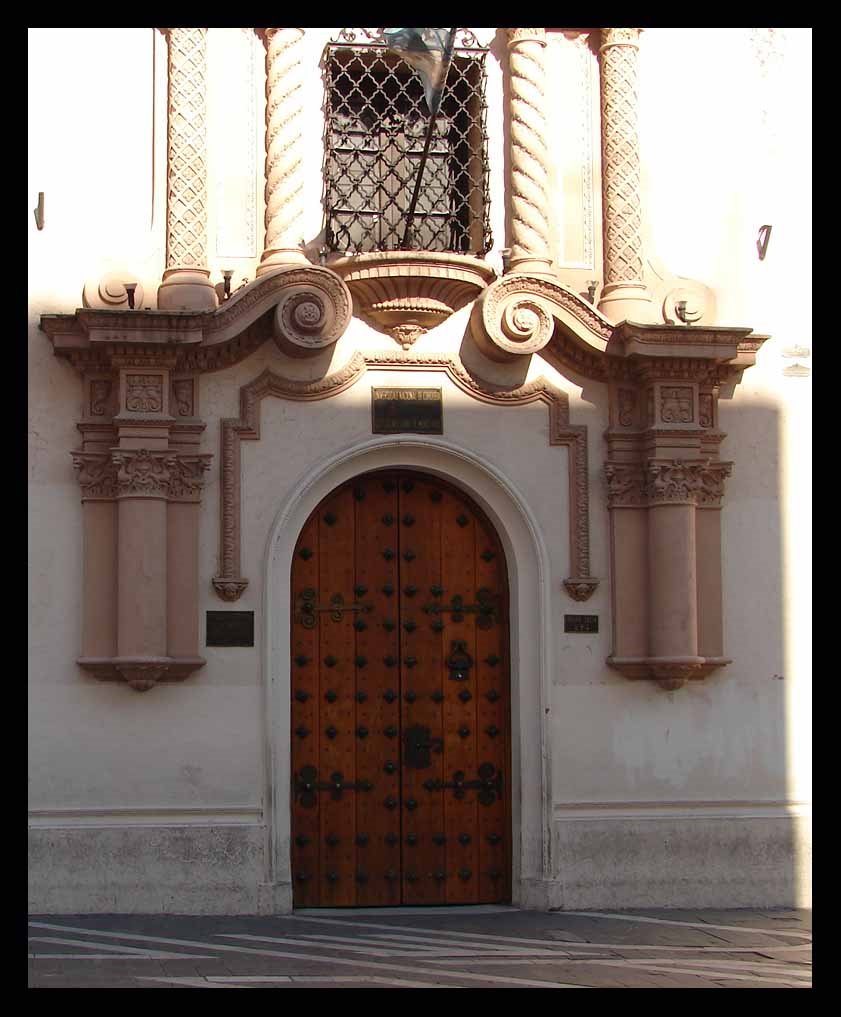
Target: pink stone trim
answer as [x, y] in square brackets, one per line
[230, 585]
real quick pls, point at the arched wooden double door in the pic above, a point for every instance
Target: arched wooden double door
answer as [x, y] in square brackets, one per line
[400, 699]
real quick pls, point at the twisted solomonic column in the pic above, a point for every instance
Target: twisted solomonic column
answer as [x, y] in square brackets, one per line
[528, 183]
[624, 295]
[186, 282]
[284, 162]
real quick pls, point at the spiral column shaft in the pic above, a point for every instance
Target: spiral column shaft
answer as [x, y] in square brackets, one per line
[284, 162]
[528, 180]
[624, 294]
[186, 283]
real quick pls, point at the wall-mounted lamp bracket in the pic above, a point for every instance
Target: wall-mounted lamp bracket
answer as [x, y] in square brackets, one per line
[39, 211]
[762, 239]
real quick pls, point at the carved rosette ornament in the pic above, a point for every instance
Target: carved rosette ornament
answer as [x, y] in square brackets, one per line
[624, 295]
[314, 309]
[529, 199]
[284, 160]
[186, 283]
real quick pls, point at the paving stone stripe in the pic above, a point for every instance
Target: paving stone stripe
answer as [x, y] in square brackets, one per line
[456, 948]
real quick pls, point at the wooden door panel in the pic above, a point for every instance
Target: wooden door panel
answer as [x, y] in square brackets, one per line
[336, 643]
[492, 707]
[378, 755]
[421, 663]
[305, 723]
[404, 552]
[458, 578]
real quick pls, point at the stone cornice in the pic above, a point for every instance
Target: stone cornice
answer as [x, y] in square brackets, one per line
[717, 343]
[320, 311]
[520, 314]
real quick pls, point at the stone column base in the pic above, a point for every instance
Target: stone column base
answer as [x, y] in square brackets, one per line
[627, 302]
[280, 257]
[186, 289]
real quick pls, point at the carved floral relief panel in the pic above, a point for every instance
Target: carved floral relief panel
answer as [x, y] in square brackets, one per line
[144, 393]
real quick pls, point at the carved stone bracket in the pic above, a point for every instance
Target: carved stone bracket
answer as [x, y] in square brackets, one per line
[517, 316]
[312, 308]
[668, 674]
[229, 584]
[141, 673]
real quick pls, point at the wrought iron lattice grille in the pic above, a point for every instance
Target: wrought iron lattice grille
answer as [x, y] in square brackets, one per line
[376, 125]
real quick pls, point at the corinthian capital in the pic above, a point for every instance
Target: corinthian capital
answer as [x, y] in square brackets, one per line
[678, 482]
[141, 473]
[97, 475]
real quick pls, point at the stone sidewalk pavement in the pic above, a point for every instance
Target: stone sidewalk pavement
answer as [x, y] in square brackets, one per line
[430, 948]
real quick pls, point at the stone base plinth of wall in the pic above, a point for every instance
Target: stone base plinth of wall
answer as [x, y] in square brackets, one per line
[721, 861]
[195, 870]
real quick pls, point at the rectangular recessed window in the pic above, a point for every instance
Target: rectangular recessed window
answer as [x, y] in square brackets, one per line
[376, 127]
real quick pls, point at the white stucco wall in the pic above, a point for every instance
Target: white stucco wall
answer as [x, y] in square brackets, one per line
[629, 766]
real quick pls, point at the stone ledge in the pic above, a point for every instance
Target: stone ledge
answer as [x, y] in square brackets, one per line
[141, 673]
[670, 673]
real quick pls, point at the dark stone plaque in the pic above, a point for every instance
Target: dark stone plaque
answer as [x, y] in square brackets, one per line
[230, 628]
[417, 410]
[581, 623]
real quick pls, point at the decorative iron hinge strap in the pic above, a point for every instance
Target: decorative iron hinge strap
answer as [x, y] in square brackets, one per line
[307, 786]
[306, 608]
[489, 784]
[485, 607]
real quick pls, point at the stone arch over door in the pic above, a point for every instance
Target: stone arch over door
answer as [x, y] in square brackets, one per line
[527, 565]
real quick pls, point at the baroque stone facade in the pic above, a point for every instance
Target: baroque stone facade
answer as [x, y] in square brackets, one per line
[211, 425]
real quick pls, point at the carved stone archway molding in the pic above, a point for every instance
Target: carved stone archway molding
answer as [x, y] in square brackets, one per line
[230, 584]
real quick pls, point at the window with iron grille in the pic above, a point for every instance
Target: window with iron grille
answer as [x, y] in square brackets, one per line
[376, 125]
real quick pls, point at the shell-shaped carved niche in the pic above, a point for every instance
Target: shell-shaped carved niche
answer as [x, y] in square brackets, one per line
[407, 293]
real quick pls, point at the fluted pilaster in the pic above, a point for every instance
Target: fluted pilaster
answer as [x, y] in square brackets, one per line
[186, 281]
[528, 182]
[284, 164]
[624, 295]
